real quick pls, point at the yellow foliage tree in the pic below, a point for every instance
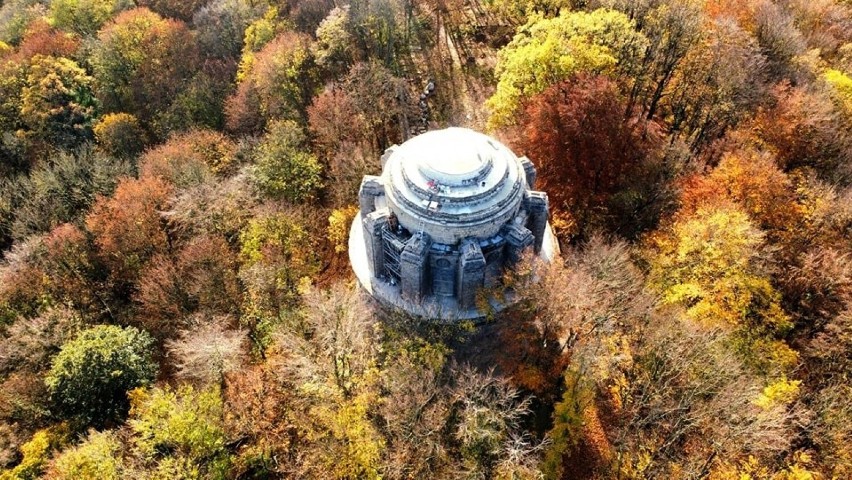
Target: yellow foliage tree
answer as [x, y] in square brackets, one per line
[781, 392]
[36, 453]
[842, 86]
[257, 34]
[548, 50]
[338, 226]
[97, 458]
[356, 446]
[710, 262]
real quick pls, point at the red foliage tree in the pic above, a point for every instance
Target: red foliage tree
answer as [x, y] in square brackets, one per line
[202, 278]
[42, 39]
[585, 149]
[334, 119]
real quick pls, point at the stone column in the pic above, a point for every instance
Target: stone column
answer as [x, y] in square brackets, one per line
[529, 171]
[519, 240]
[471, 273]
[536, 205]
[373, 224]
[413, 268]
[371, 187]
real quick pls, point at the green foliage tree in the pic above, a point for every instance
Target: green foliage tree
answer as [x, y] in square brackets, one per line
[180, 429]
[285, 169]
[549, 50]
[57, 102]
[200, 103]
[85, 17]
[90, 376]
[62, 188]
[141, 63]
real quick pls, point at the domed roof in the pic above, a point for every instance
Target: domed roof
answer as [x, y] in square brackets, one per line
[454, 183]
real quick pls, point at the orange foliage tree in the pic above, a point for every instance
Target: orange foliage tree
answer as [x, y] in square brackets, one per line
[128, 228]
[804, 130]
[41, 39]
[189, 158]
[750, 178]
[334, 119]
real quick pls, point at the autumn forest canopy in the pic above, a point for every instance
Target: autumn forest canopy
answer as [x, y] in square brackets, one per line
[178, 177]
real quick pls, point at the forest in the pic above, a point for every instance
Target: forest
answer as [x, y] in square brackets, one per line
[178, 177]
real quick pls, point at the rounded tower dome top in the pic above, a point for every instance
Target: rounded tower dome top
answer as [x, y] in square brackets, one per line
[454, 183]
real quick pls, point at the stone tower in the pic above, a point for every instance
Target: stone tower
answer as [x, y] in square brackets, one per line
[451, 209]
